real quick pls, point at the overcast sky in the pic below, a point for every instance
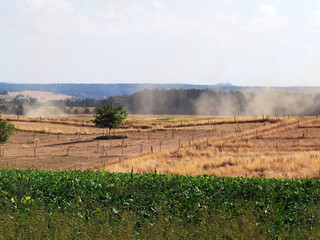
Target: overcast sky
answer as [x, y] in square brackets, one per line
[244, 42]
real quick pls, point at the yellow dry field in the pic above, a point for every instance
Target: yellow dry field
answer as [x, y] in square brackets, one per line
[273, 147]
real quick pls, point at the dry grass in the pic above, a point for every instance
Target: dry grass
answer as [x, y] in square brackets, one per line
[153, 122]
[284, 148]
[274, 151]
[234, 163]
[55, 128]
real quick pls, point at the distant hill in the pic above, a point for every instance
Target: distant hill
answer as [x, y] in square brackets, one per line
[225, 85]
[100, 91]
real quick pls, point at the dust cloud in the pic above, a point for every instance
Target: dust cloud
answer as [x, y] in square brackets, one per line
[257, 104]
[207, 102]
[43, 111]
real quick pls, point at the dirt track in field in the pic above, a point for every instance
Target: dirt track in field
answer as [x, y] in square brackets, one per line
[59, 146]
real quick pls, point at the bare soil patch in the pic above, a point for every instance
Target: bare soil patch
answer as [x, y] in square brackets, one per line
[284, 148]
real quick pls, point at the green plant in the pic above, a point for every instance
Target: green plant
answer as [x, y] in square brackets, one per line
[6, 129]
[110, 137]
[19, 110]
[109, 116]
[159, 204]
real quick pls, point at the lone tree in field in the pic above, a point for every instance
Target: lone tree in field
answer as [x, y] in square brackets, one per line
[6, 129]
[109, 116]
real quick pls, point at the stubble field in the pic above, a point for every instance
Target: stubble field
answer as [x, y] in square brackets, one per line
[285, 147]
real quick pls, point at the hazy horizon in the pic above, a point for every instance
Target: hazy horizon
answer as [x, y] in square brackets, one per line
[252, 43]
[124, 83]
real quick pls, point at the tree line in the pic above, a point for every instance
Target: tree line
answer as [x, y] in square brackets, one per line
[207, 102]
[187, 102]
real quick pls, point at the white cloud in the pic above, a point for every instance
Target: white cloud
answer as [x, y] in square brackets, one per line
[314, 19]
[268, 9]
[158, 4]
[128, 18]
[140, 40]
[55, 17]
[266, 17]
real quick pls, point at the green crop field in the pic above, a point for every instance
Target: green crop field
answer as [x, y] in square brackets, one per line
[99, 205]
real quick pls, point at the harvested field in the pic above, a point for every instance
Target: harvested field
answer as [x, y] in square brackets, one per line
[272, 147]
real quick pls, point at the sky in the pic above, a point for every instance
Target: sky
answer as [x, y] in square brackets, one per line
[243, 42]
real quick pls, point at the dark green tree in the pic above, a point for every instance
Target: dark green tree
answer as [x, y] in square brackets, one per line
[109, 116]
[6, 129]
[19, 110]
[87, 111]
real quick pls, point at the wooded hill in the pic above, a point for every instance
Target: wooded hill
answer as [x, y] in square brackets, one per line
[208, 102]
[100, 91]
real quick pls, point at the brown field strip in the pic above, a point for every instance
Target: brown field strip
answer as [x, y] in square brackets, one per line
[135, 124]
[284, 148]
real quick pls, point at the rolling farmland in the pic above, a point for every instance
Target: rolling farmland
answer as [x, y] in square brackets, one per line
[273, 147]
[182, 176]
